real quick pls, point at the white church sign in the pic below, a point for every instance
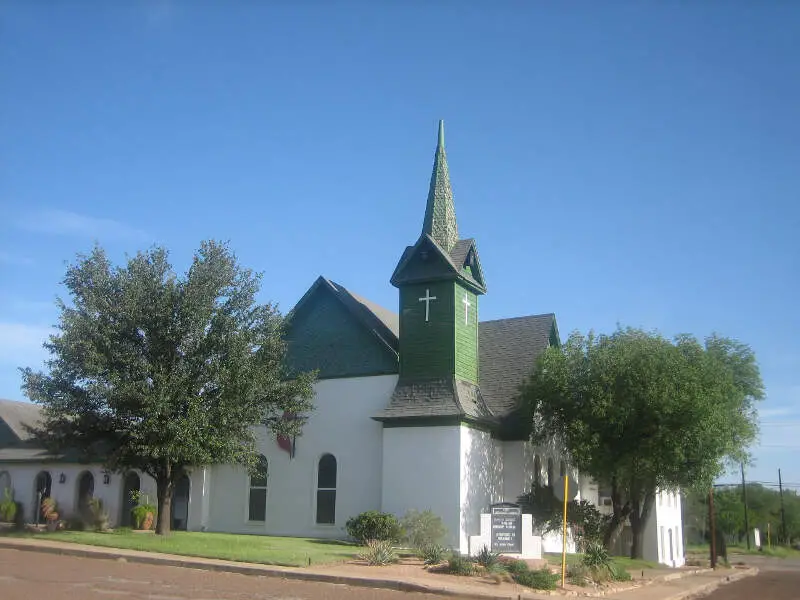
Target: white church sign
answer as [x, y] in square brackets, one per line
[506, 528]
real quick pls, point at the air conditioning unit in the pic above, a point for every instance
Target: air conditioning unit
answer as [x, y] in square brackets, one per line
[605, 501]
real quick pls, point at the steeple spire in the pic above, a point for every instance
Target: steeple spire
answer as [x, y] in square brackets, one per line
[440, 212]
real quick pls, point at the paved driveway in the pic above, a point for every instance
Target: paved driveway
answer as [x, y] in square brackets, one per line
[33, 575]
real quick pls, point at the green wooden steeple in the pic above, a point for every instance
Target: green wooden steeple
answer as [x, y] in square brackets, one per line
[440, 212]
[439, 279]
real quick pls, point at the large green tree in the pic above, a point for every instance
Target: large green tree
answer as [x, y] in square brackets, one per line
[640, 413]
[154, 371]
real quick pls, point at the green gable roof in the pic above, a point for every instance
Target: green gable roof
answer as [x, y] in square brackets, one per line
[340, 334]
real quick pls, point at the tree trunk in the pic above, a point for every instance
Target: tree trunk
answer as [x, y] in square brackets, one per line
[618, 517]
[640, 511]
[164, 487]
[612, 531]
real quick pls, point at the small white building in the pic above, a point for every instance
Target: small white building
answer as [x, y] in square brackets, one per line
[417, 409]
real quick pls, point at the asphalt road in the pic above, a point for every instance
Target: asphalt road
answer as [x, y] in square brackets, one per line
[778, 579]
[38, 576]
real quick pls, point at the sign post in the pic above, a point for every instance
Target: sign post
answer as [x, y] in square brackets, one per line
[564, 534]
[506, 528]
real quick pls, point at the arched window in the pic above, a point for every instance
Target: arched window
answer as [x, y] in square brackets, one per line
[537, 470]
[326, 490]
[257, 509]
[550, 475]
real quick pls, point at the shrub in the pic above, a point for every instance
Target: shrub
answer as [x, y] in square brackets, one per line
[143, 516]
[460, 565]
[422, 529]
[596, 556]
[373, 525]
[514, 566]
[579, 574]
[8, 508]
[94, 516]
[432, 554]
[542, 579]
[618, 573]
[488, 559]
[379, 553]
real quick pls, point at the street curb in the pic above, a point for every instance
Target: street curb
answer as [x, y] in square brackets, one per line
[259, 570]
[210, 564]
[706, 589]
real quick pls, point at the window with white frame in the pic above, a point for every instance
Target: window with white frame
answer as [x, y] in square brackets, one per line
[326, 490]
[257, 506]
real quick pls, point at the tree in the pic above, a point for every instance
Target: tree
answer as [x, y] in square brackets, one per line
[157, 372]
[641, 413]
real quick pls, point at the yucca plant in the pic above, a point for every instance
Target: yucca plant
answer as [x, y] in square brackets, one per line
[378, 553]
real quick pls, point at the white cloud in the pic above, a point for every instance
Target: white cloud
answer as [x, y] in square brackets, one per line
[21, 343]
[62, 222]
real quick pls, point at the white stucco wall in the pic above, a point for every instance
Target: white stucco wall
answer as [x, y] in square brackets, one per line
[421, 472]
[664, 531]
[481, 480]
[341, 425]
[23, 482]
[517, 469]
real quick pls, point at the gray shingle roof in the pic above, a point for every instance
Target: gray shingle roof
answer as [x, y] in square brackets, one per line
[508, 349]
[17, 414]
[444, 397]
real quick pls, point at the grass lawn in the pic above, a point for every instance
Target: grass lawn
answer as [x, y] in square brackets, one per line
[286, 551]
[777, 551]
[629, 564]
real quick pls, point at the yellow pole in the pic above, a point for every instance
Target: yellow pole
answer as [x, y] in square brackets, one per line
[564, 534]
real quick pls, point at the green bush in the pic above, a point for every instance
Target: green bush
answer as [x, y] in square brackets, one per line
[8, 508]
[432, 554]
[94, 516]
[379, 553]
[460, 565]
[596, 556]
[422, 529]
[542, 579]
[486, 558]
[139, 514]
[373, 525]
[514, 566]
[618, 573]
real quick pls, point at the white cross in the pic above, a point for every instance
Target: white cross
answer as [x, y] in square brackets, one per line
[467, 304]
[427, 300]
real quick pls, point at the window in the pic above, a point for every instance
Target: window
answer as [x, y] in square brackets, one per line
[257, 508]
[537, 470]
[550, 479]
[562, 469]
[326, 490]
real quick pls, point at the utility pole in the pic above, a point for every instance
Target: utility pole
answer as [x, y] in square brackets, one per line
[744, 499]
[783, 512]
[713, 529]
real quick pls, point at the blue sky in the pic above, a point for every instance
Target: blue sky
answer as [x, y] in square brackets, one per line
[631, 162]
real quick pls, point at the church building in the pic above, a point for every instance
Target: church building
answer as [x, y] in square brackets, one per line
[414, 410]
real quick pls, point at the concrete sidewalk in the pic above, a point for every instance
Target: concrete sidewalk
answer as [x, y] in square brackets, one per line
[675, 586]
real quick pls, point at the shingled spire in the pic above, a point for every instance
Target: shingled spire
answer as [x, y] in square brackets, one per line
[440, 212]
